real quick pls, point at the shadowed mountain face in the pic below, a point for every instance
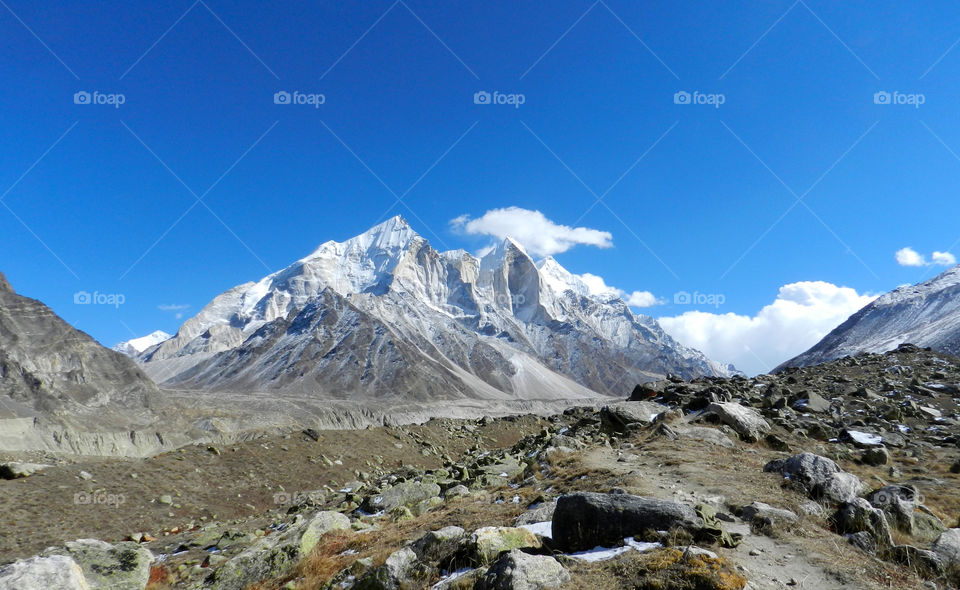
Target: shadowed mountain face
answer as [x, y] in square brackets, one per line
[384, 316]
[926, 314]
[48, 367]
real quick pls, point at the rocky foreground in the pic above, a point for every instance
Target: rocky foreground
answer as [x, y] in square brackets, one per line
[843, 475]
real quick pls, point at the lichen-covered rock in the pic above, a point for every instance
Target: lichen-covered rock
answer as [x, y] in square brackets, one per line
[489, 542]
[15, 470]
[408, 494]
[55, 572]
[437, 546]
[276, 554]
[401, 570]
[516, 570]
[123, 566]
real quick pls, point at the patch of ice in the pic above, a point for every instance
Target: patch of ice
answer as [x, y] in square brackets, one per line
[452, 576]
[604, 553]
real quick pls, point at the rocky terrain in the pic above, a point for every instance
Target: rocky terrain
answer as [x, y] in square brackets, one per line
[385, 316]
[926, 314]
[841, 475]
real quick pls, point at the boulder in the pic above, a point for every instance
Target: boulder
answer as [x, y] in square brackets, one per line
[760, 510]
[858, 516]
[15, 470]
[407, 494]
[620, 416]
[518, 571]
[876, 456]
[819, 476]
[276, 554]
[584, 520]
[487, 543]
[901, 505]
[542, 512]
[123, 566]
[437, 546]
[947, 546]
[55, 572]
[400, 570]
[926, 563]
[746, 422]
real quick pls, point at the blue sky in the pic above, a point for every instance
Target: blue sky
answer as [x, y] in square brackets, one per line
[103, 198]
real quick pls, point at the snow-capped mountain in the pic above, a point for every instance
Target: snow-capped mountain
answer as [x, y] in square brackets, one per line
[927, 314]
[135, 346]
[384, 315]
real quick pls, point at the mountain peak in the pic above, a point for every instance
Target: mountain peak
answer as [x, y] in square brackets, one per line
[4, 285]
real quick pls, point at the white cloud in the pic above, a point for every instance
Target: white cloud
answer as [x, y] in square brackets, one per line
[910, 257]
[598, 286]
[532, 230]
[943, 258]
[800, 316]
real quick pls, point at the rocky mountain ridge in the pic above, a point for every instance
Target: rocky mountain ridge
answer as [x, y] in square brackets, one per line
[385, 316]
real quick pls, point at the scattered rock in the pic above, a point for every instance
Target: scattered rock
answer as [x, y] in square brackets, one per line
[947, 547]
[516, 570]
[124, 566]
[876, 456]
[408, 494]
[584, 520]
[540, 513]
[761, 510]
[620, 416]
[437, 546]
[489, 542]
[819, 476]
[858, 516]
[56, 572]
[746, 422]
[15, 470]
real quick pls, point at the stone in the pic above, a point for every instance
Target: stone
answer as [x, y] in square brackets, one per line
[276, 554]
[165, 499]
[924, 562]
[56, 572]
[489, 542]
[518, 571]
[321, 524]
[859, 516]
[408, 494]
[813, 403]
[437, 546]
[746, 422]
[542, 512]
[123, 566]
[947, 546]
[16, 470]
[620, 416]
[400, 570]
[901, 505]
[584, 520]
[876, 456]
[457, 491]
[819, 476]
[760, 510]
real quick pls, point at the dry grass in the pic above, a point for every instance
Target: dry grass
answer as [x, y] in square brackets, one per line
[669, 569]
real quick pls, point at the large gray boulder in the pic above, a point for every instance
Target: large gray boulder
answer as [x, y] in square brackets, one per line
[405, 494]
[902, 507]
[818, 476]
[276, 554]
[123, 566]
[55, 572]
[620, 416]
[947, 546]
[517, 570]
[437, 546]
[746, 422]
[487, 543]
[584, 520]
[402, 569]
[858, 516]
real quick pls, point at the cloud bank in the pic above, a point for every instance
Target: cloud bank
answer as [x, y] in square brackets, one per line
[532, 230]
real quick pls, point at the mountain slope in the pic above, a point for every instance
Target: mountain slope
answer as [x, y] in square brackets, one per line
[385, 316]
[927, 314]
[48, 367]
